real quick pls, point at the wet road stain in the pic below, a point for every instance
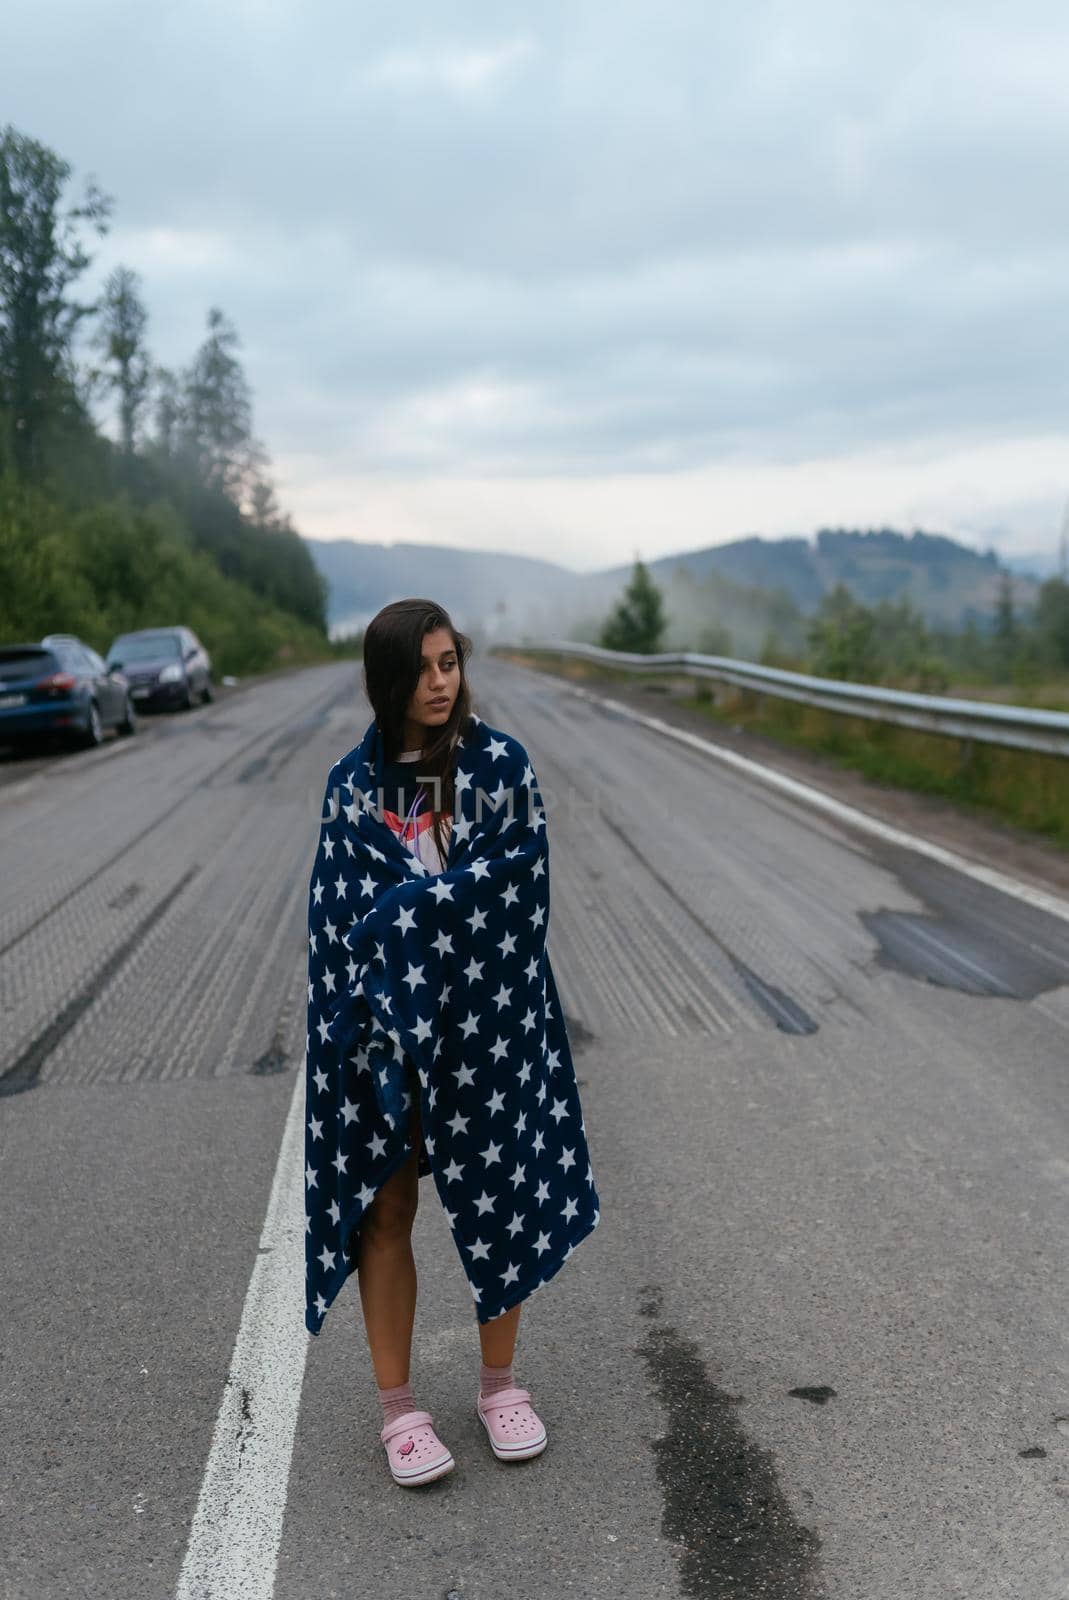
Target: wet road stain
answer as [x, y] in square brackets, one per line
[724, 1511]
[786, 1013]
[284, 1051]
[245, 1425]
[970, 937]
[819, 1394]
[274, 1059]
[954, 956]
[579, 1035]
[125, 896]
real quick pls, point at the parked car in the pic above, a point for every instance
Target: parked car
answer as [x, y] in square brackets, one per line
[60, 687]
[164, 667]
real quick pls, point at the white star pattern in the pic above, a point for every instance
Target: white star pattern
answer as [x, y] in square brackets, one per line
[445, 975]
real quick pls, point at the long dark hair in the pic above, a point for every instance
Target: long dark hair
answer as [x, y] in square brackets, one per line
[393, 658]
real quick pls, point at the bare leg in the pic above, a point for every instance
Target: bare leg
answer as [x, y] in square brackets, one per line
[498, 1337]
[386, 1273]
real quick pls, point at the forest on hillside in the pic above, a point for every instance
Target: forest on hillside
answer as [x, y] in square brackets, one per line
[131, 495]
[891, 642]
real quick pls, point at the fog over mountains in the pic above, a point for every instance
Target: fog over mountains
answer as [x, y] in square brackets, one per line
[752, 586]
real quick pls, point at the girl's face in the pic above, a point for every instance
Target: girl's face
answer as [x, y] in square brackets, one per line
[439, 684]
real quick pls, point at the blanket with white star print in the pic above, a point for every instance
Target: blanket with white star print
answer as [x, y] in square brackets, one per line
[448, 973]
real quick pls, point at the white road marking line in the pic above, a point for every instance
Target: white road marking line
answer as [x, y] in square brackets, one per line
[1039, 898]
[237, 1526]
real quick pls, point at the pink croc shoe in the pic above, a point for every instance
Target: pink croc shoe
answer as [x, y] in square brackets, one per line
[414, 1450]
[515, 1429]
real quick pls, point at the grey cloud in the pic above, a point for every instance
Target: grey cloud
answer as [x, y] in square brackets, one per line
[675, 233]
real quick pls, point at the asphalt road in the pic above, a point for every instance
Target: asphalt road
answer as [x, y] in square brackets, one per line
[816, 1347]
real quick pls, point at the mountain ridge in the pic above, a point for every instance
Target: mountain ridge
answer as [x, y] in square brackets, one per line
[751, 585]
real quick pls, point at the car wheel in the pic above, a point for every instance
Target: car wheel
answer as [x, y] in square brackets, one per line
[186, 701]
[94, 728]
[129, 722]
[208, 693]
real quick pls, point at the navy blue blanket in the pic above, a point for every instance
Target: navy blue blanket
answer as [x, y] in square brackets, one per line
[447, 973]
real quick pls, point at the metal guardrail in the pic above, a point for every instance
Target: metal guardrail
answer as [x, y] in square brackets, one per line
[1019, 727]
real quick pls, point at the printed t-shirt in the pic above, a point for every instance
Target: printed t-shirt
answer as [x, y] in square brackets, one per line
[406, 808]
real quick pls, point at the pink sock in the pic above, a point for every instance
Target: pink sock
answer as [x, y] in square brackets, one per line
[395, 1402]
[493, 1379]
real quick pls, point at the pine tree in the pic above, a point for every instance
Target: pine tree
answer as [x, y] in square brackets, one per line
[41, 257]
[121, 338]
[638, 621]
[216, 427]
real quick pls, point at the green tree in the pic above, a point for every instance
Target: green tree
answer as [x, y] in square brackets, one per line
[1052, 621]
[263, 507]
[41, 256]
[842, 638]
[1006, 630]
[638, 621]
[167, 410]
[1005, 614]
[120, 336]
[216, 424]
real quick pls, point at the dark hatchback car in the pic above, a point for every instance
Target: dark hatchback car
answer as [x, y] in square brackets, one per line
[60, 688]
[163, 666]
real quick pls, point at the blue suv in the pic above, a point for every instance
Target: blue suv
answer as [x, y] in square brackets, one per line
[60, 687]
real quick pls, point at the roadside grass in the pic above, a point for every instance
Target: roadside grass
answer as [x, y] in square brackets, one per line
[1018, 786]
[1040, 696]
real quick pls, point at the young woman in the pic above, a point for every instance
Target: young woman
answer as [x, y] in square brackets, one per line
[414, 677]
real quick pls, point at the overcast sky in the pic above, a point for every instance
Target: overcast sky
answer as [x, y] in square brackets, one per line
[602, 277]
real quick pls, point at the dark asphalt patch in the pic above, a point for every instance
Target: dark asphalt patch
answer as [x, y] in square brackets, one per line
[724, 1511]
[274, 1059]
[245, 1427]
[579, 1035]
[971, 937]
[819, 1394]
[288, 1026]
[125, 896]
[954, 957]
[786, 1013]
